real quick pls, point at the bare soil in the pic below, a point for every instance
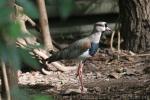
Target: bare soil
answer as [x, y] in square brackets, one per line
[106, 77]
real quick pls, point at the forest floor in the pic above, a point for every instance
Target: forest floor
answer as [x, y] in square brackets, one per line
[105, 77]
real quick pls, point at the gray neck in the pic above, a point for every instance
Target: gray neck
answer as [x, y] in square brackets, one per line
[95, 37]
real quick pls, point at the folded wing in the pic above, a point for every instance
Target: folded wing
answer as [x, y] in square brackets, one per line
[71, 52]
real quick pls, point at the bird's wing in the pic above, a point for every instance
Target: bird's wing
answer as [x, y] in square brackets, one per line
[71, 52]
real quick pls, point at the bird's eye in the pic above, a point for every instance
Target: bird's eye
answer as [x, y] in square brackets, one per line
[106, 25]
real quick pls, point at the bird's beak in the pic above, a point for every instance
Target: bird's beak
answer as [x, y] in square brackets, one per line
[108, 29]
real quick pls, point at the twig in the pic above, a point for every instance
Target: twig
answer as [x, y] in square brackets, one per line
[118, 45]
[111, 41]
[5, 77]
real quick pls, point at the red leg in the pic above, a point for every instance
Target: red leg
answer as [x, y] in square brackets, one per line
[79, 73]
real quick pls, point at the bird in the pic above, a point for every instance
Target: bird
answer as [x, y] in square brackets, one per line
[81, 49]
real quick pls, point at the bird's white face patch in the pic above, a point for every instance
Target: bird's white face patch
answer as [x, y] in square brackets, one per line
[101, 26]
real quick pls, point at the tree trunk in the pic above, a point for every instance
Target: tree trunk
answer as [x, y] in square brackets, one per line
[135, 20]
[44, 25]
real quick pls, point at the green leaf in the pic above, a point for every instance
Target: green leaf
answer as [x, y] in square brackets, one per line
[10, 54]
[19, 94]
[27, 58]
[42, 97]
[14, 30]
[5, 16]
[13, 57]
[3, 51]
[29, 8]
[2, 2]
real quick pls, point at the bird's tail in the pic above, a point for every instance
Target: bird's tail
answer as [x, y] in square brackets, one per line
[54, 57]
[50, 59]
[66, 53]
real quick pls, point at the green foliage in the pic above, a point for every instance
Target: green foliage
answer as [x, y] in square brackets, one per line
[19, 94]
[65, 7]
[26, 58]
[42, 97]
[4, 16]
[14, 30]
[29, 7]
[9, 52]
[9, 32]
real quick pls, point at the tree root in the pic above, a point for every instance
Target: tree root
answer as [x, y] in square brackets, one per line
[59, 66]
[31, 40]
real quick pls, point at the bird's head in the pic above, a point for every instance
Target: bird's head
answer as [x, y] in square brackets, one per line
[101, 27]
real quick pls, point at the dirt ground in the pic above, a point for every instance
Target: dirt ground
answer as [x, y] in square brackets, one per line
[106, 77]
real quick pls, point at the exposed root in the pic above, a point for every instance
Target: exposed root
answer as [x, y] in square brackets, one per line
[27, 41]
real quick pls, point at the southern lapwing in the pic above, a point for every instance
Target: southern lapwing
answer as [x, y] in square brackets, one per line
[81, 49]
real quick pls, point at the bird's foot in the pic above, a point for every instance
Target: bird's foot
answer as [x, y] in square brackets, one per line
[52, 52]
[46, 61]
[77, 74]
[83, 89]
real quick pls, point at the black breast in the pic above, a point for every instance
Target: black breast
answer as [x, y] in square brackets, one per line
[94, 48]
